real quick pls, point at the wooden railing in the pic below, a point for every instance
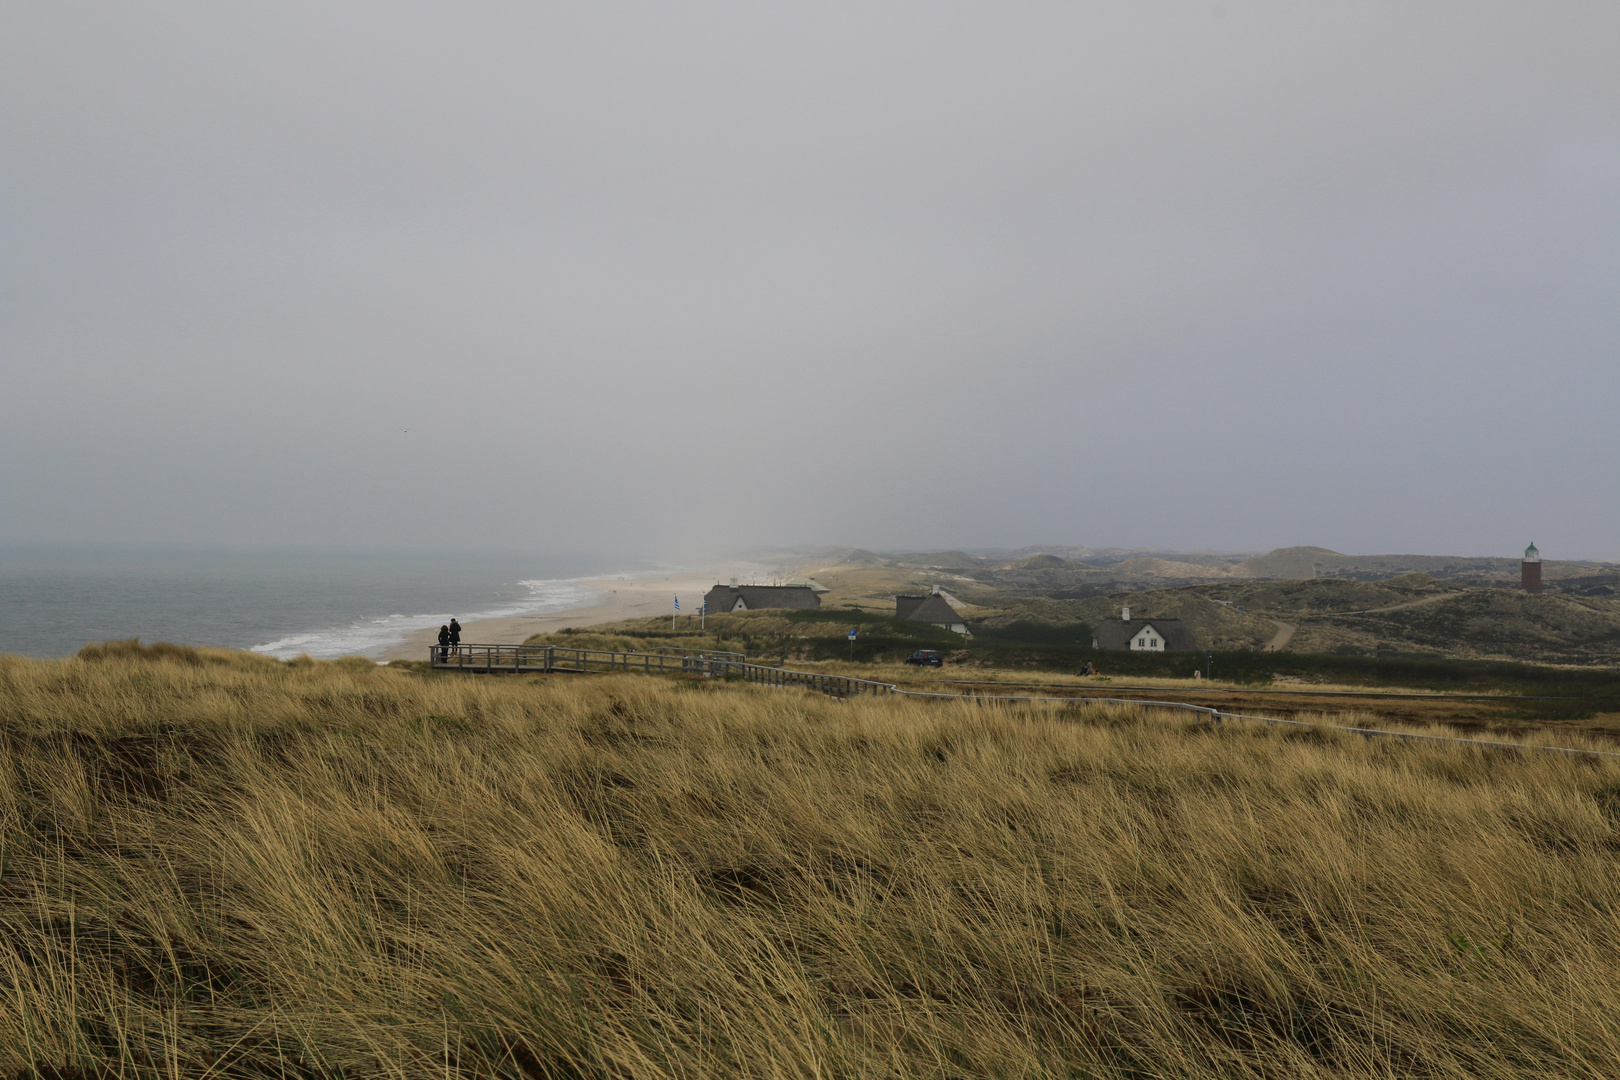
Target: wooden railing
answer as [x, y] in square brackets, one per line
[836, 685]
[548, 658]
[545, 659]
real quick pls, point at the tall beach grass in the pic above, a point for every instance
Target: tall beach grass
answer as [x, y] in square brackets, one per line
[213, 863]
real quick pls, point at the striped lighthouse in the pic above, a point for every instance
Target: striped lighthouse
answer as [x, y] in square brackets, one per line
[1530, 570]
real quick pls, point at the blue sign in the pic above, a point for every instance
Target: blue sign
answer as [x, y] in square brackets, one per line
[852, 633]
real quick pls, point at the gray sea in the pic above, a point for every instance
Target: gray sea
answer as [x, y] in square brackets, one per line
[325, 604]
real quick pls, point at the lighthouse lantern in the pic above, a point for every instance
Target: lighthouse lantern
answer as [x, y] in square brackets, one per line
[1530, 570]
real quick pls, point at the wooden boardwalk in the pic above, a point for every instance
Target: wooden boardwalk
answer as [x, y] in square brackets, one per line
[547, 659]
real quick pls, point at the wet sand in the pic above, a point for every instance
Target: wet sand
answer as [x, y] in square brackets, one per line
[617, 598]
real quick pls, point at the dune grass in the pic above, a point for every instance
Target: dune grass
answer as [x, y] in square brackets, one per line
[216, 864]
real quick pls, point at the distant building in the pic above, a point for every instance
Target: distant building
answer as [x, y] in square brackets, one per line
[734, 597]
[933, 609]
[1142, 635]
[1530, 570]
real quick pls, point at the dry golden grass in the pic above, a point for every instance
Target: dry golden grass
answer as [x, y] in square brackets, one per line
[215, 864]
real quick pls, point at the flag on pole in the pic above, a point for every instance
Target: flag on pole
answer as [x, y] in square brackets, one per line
[677, 603]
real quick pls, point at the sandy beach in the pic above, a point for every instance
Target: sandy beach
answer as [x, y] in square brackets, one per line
[617, 598]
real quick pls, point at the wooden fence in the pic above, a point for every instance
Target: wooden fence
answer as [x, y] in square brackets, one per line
[544, 659]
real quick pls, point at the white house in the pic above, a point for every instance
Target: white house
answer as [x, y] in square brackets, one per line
[1142, 635]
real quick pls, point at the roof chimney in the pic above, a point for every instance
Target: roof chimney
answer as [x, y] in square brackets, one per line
[1125, 613]
[733, 583]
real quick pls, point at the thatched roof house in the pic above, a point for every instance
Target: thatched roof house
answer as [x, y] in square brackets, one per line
[1143, 635]
[933, 609]
[724, 598]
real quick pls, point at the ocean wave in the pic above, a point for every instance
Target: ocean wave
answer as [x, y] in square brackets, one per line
[374, 636]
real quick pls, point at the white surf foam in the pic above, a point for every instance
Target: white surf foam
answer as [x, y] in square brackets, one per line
[374, 636]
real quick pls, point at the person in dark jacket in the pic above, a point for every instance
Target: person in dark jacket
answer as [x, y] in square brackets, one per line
[455, 631]
[444, 644]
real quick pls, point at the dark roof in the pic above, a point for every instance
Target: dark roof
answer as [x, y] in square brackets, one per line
[723, 598]
[929, 609]
[1115, 634]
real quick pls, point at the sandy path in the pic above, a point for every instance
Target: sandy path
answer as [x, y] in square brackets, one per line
[1285, 634]
[617, 598]
[1285, 631]
[1400, 607]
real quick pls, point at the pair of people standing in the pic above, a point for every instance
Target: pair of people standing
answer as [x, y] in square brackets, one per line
[448, 636]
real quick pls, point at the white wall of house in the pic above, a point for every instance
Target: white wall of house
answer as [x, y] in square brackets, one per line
[1147, 639]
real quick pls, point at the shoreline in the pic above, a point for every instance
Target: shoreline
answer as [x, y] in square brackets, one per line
[618, 597]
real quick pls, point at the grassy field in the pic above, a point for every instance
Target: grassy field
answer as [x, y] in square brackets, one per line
[1010, 639]
[785, 635]
[215, 864]
[1034, 648]
[1498, 703]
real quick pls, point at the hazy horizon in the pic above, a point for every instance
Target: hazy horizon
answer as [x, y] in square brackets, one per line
[639, 562]
[673, 281]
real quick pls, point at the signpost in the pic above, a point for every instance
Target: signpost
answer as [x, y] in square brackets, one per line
[852, 644]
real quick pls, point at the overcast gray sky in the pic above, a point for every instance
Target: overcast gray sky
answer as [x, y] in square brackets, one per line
[664, 277]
